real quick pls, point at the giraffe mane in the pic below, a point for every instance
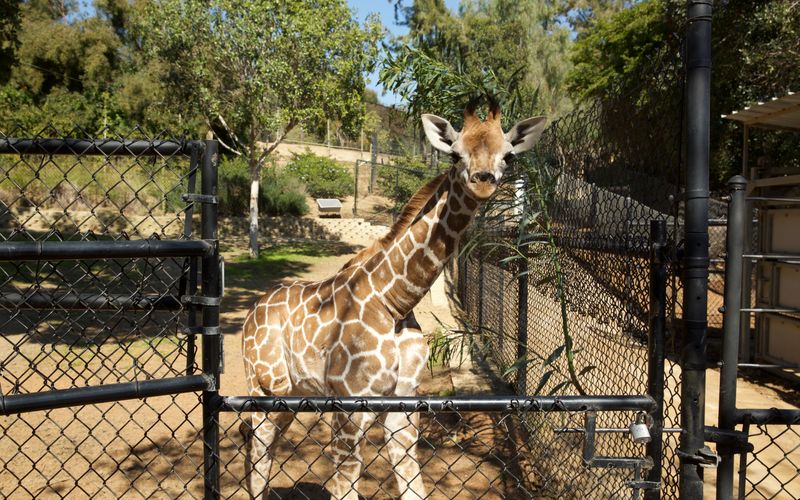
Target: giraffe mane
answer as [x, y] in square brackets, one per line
[410, 212]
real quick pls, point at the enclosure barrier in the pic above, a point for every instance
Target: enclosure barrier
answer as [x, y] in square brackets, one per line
[98, 307]
[780, 427]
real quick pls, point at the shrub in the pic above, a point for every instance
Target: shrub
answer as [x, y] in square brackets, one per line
[279, 194]
[323, 177]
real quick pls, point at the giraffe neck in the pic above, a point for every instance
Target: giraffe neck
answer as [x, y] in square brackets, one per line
[414, 258]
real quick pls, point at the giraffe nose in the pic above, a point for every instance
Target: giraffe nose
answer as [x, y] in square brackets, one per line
[483, 177]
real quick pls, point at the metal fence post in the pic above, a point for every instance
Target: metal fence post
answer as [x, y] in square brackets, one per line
[212, 336]
[731, 326]
[695, 297]
[522, 327]
[655, 361]
[355, 191]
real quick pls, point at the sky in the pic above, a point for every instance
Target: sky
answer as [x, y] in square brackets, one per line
[386, 10]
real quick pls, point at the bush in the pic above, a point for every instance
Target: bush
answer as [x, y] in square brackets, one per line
[403, 178]
[323, 177]
[279, 193]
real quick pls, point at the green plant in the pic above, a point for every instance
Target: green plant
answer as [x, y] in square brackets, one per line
[280, 193]
[323, 177]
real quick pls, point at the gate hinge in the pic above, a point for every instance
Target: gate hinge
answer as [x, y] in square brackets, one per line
[200, 300]
[200, 198]
[201, 330]
[644, 485]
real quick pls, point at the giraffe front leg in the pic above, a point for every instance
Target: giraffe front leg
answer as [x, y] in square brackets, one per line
[401, 429]
[348, 430]
[260, 440]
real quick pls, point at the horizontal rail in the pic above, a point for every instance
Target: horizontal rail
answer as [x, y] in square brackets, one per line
[22, 403]
[767, 416]
[94, 301]
[104, 147]
[772, 256]
[773, 199]
[769, 365]
[770, 309]
[411, 404]
[69, 250]
[612, 430]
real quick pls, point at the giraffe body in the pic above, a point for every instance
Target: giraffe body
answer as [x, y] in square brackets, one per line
[354, 333]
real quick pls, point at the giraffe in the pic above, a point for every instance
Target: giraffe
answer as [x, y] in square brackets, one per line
[354, 333]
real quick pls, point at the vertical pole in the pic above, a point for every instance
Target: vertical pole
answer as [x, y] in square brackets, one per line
[522, 327]
[731, 327]
[355, 191]
[212, 337]
[191, 310]
[695, 297]
[374, 160]
[655, 361]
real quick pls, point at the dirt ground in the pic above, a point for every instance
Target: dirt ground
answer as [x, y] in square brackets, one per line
[153, 448]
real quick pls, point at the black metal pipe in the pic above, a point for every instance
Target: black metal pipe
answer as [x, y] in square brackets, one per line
[767, 416]
[737, 211]
[522, 327]
[94, 301]
[656, 348]
[127, 249]
[437, 404]
[212, 344]
[22, 403]
[103, 147]
[695, 262]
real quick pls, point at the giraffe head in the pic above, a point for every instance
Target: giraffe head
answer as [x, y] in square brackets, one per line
[481, 151]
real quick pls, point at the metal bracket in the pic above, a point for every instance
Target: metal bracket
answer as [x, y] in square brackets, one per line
[200, 300]
[200, 198]
[644, 485]
[202, 330]
[704, 457]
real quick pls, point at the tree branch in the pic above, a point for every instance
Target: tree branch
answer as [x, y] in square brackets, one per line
[289, 126]
[225, 126]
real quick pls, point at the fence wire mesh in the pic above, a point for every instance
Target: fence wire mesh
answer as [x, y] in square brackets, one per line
[77, 323]
[461, 454]
[774, 465]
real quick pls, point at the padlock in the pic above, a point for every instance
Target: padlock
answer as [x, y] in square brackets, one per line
[639, 431]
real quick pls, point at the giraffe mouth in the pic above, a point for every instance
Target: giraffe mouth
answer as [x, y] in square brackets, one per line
[482, 185]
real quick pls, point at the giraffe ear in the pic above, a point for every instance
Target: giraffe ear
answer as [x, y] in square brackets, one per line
[525, 134]
[439, 132]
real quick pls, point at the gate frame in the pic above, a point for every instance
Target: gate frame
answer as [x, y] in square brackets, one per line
[207, 249]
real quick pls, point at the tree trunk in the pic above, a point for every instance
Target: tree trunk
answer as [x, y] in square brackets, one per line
[256, 160]
[255, 183]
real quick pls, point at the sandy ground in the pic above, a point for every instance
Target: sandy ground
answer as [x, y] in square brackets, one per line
[153, 448]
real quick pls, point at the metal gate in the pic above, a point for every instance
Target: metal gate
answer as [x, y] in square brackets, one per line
[100, 310]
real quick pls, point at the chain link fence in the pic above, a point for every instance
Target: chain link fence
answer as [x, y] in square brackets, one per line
[501, 449]
[598, 178]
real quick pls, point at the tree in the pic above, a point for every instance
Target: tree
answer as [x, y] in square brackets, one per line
[255, 69]
[756, 56]
[9, 25]
[518, 45]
